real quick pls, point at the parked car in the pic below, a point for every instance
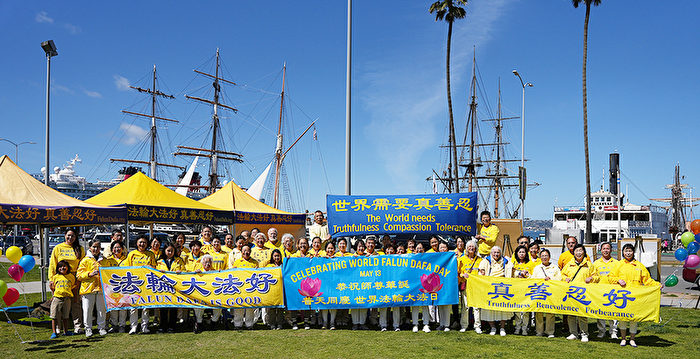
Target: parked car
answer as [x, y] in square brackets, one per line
[55, 239]
[23, 242]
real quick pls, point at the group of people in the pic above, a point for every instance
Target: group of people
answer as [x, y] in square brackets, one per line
[74, 279]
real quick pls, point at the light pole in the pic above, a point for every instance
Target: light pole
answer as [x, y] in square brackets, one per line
[50, 49]
[17, 147]
[522, 150]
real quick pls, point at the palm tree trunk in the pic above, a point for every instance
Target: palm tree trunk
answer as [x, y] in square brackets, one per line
[453, 144]
[589, 215]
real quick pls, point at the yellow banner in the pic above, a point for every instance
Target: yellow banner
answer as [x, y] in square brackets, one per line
[143, 287]
[600, 301]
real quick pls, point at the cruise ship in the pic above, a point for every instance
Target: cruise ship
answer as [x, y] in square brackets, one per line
[646, 221]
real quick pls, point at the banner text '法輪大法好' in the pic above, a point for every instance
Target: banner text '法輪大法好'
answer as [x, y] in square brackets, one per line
[143, 287]
[371, 282]
[595, 300]
[450, 213]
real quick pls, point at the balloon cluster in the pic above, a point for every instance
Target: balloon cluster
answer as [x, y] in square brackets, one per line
[691, 242]
[22, 264]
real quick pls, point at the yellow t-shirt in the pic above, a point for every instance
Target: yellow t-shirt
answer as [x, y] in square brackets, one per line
[64, 252]
[286, 253]
[317, 253]
[298, 254]
[136, 258]
[242, 263]
[185, 254]
[491, 234]
[375, 253]
[269, 245]
[88, 265]
[261, 255]
[633, 273]
[178, 265]
[520, 267]
[156, 253]
[340, 254]
[63, 285]
[226, 249]
[468, 265]
[587, 270]
[604, 268]
[219, 260]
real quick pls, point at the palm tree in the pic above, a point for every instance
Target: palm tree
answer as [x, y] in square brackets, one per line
[589, 215]
[449, 11]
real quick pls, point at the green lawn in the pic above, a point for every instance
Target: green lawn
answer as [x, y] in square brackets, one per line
[676, 339]
[33, 276]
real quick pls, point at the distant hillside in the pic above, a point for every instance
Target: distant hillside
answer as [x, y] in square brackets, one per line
[538, 224]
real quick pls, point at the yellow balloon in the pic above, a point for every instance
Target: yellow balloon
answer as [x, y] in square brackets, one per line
[13, 254]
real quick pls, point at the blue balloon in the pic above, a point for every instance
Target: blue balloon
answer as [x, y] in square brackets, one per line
[681, 254]
[697, 237]
[27, 262]
[693, 247]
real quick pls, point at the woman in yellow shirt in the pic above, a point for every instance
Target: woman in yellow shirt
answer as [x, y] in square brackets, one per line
[416, 310]
[443, 311]
[206, 266]
[91, 288]
[287, 246]
[342, 248]
[259, 252]
[535, 253]
[182, 250]
[71, 252]
[155, 247]
[604, 265]
[521, 267]
[579, 270]
[461, 245]
[275, 316]
[139, 257]
[466, 265]
[193, 262]
[316, 250]
[245, 316]
[219, 257]
[116, 317]
[544, 322]
[630, 273]
[169, 262]
[329, 252]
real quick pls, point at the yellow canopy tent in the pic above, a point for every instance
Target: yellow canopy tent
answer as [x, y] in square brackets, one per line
[250, 213]
[148, 201]
[24, 200]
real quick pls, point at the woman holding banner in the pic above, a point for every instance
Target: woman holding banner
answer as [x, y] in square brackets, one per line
[359, 316]
[630, 273]
[193, 261]
[275, 316]
[316, 250]
[116, 317]
[494, 265]
[579, 270]
[521, 267]
[218, 255]
[140, 256]
[91, 288]
[302, 252]
[182, 250]
[244, 315]
[155, 247]
[459, 250]
[206, 263]
[342, 248]
[169, 262]
[544, 322]
[330, 324]
[443, 311]
[467, 264]
[604, 265]
[415, 310]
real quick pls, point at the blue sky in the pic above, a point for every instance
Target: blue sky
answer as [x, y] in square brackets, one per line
[643, 83]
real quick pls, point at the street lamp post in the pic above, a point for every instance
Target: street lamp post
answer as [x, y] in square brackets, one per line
[522, 148]
[50, 49]
[17, 147]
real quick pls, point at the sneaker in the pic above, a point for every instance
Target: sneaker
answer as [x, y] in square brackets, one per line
[103, 332]
[503, 332]
[572, 337]
[78, 331]
[426, 328]
[296, 327]
[584, 338]
[397, 329]
[524, 331]
[633, 344]
[122, 329]
[112, 330]
[323, 327]
[613, 335]
[88, 333]
[68, 334]
[133, 330]
[447, 329]
[517, 330]
[463, 330]
[144, 330]
[332, 327]
[550, 336]
[601, 335]
[415, 329]
[307, 327]
[493, 331]
[53, 336]
[623, 343]
[383, 329]
[477, 330]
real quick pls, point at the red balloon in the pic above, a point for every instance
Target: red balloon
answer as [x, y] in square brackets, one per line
[16, 272]
[695, 226]
[11, 296]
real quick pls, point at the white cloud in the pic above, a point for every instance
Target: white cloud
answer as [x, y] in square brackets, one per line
[121, 82]
[43, 16]
[407, 103]
[132, 133]
[62, 88]
[93, 94]
[72, 29]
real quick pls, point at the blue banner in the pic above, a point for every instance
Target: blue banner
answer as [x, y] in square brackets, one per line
[370, 281]
[450, 213]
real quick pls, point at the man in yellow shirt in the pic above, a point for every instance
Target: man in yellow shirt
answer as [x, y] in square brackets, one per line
[487, 235]
[205, 238]
[273, 242]
[229, 243]
[568, 255]
[318, 229]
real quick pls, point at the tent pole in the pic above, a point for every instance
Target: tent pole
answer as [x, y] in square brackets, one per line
[126, 233]
[44, 244]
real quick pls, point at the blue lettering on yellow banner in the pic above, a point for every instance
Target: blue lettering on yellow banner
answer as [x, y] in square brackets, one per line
[450, 213]
[370, 282]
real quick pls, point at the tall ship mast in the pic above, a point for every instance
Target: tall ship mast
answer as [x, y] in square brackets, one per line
[152, 162]
[213, 152]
